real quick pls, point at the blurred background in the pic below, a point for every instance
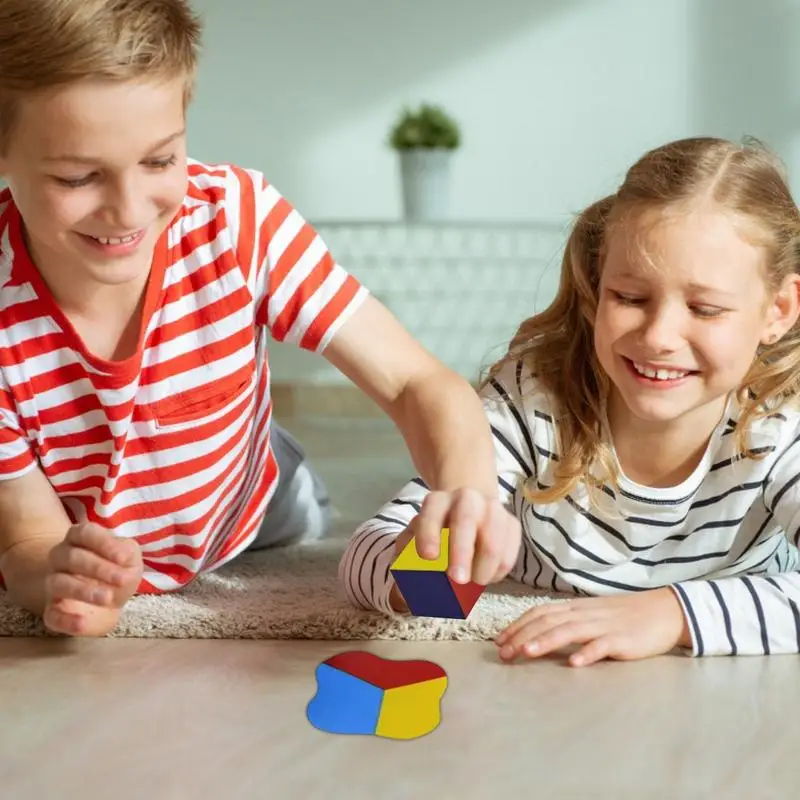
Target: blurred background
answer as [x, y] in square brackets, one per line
[554, 99]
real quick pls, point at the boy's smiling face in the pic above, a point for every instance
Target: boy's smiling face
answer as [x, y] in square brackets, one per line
[98, 170]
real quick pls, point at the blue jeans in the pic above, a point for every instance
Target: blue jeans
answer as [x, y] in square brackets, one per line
[300, 508]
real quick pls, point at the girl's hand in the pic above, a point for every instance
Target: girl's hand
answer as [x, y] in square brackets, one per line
[92, 575]
[625, 628]
[484, 537]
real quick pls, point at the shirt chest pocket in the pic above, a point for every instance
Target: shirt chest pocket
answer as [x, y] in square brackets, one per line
[208, 403]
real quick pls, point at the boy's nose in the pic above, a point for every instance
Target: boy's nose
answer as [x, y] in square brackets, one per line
[126, 207]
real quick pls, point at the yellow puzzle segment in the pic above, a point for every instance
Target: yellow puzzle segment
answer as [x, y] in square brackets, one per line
[411, 711]
[409, 559]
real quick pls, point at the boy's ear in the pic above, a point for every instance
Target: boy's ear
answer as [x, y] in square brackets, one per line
[783, 310]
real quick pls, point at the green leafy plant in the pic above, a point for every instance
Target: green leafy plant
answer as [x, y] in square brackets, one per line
[427, 127]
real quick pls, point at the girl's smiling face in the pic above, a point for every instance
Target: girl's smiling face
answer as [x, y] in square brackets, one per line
[682, 309]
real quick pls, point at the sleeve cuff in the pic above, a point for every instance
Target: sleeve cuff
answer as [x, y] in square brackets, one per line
[382, 603]
[706, 618]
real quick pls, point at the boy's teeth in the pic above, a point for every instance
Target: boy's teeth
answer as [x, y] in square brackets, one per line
[659, 374]
[124, 240]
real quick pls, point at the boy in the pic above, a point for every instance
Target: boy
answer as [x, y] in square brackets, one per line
[137, 290]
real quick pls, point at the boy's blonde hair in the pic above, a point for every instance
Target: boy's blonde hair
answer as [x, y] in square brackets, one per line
[558, 343]
[45, 44]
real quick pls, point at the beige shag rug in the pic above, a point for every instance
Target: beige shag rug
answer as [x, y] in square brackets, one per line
[287, 593]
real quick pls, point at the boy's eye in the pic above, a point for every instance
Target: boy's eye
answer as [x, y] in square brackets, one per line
[161, 163]
[74, 183]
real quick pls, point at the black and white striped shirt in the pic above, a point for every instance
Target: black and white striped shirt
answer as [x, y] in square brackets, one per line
[726, 539]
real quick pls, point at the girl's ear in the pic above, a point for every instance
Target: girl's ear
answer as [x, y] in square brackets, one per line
[783, 310]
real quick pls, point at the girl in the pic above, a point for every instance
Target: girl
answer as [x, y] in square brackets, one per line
[646, 428]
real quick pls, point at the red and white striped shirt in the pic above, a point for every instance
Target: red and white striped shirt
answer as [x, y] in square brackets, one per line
[171, 446]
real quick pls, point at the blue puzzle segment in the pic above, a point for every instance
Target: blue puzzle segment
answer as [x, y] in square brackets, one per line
[344, 703]
[428, 594]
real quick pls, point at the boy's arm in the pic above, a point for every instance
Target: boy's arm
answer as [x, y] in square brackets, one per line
[364, 568]
[436, 410]
[33, 527]
[303, 296]
[32, 522]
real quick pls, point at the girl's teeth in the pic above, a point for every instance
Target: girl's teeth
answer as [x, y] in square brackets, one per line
[659, 374]
[125, 240]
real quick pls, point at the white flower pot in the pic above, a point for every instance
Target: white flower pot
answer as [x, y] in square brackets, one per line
[425, 176]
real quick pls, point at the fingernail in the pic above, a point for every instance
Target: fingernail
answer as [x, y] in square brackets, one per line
[531, 648]
[459, 575]
[507, 652]
[99, 596]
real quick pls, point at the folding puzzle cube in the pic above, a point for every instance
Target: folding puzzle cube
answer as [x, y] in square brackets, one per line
[361, 693]
[426, 587]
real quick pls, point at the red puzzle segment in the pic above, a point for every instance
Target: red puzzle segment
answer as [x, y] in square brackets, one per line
[383, 672]
[467, 594]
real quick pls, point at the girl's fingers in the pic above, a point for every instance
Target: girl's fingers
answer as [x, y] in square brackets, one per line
[531, 615]
[539, 642]
[596, 650]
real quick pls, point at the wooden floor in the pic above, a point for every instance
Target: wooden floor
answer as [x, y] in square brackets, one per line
[227, 719]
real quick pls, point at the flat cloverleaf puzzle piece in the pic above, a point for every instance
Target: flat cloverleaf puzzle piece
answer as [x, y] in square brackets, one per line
[361, 693]
[426, 586]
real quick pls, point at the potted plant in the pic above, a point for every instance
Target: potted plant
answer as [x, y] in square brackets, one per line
[425, 139]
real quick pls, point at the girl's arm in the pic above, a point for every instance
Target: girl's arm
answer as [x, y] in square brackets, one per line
[747, 615]
[364, 568]
[753, 614]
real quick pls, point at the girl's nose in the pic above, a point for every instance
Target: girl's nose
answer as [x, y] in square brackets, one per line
[661, 331]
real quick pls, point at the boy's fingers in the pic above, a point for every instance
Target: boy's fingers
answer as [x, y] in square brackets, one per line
[90, 536]
[79, 561]
[59, 621]
[429, 523]
[511, 541]
[63, 586]
[464, 519]
[492, 546]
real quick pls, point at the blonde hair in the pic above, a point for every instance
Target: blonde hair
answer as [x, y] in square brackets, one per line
[558, 343]
[45, 44]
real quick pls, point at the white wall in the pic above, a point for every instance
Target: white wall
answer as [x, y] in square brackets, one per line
[556, 97]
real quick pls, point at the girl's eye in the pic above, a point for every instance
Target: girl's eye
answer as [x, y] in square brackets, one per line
[627, 299]
[707, 311]
[75, 183]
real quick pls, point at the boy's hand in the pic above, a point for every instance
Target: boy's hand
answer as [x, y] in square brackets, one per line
[625, 628]
[484, 537]
[92, 575]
